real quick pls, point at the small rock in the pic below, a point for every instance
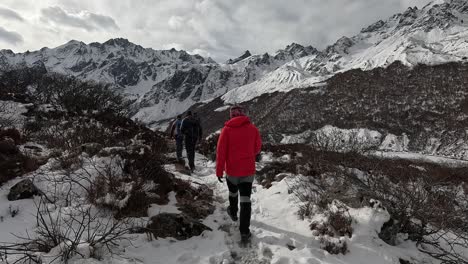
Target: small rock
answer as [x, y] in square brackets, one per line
[23, 190]
[291, 247]
[33, 148]
[402, 261]
[389, 232]
[178, 226]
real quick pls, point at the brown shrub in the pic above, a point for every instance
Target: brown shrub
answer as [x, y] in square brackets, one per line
[208, 146]
[341, 223]
[334, 246]
[13, 134]
[195, 202]
[338, 222]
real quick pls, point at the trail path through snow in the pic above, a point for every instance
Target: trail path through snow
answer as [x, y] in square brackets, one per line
[268, 234]
[279, 236]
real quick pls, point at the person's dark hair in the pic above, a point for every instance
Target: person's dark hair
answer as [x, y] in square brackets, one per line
[189, 113]
[179, 116]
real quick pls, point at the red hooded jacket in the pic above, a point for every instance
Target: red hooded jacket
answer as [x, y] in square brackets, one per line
[238, 145]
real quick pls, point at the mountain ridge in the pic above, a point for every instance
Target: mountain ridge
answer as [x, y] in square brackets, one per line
[165, 83]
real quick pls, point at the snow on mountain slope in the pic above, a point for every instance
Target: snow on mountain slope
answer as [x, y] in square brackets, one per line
[432, 35]
[163, 82]
[287, 77]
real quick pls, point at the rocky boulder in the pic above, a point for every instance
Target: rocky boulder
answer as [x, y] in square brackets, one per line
[389, 232]
[23, 190]
[178, 226]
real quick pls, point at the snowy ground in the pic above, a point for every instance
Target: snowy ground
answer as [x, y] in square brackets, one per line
[279, 236]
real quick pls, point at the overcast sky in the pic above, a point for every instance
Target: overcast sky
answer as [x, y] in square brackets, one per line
[218, 28]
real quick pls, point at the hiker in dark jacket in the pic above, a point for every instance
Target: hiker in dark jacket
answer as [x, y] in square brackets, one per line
[200, 130]
[176, 134]
[191, 129]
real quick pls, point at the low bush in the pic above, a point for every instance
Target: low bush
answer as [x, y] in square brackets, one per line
[63, 234]
[334, 246]
[208, 146]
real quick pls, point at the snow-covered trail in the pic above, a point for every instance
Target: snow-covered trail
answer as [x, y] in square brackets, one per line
[279, 236]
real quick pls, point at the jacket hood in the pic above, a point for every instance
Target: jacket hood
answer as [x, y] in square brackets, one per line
[238, 121]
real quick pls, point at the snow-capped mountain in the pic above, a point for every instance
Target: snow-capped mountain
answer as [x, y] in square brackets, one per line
[167, 82]
[164, 82]
[435, 34]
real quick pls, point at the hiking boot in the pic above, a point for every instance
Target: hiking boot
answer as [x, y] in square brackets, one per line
[233, 216]
[246, 237]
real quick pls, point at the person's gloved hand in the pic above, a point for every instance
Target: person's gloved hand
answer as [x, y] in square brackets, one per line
[220, 179]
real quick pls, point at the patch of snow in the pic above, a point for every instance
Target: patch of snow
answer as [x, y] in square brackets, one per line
[300, 138]
[217, 132]
[222, 108]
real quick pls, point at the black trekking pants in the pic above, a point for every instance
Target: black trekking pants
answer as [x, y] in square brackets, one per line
[242, 185]
[179, 146]
[190, 148]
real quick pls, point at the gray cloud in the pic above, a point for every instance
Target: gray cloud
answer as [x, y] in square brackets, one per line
[10, 37]
[227, 28]
[10, 14]
[219, 28]
[84, 19]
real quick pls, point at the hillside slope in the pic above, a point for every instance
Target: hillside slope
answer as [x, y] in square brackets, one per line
[422, 103]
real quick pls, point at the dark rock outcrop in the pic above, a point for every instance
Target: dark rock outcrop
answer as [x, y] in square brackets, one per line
[178, 226]
[389, 232]
[23, 190]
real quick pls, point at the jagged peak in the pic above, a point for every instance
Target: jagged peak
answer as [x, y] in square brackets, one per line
[118, 42]
[75, 42]
[242, 57]
[296, 51]
[294, 45]
[341, 46]
[374, 27]
[7, 51]
[246, 54]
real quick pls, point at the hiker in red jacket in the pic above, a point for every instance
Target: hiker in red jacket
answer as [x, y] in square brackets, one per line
[238, 145]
